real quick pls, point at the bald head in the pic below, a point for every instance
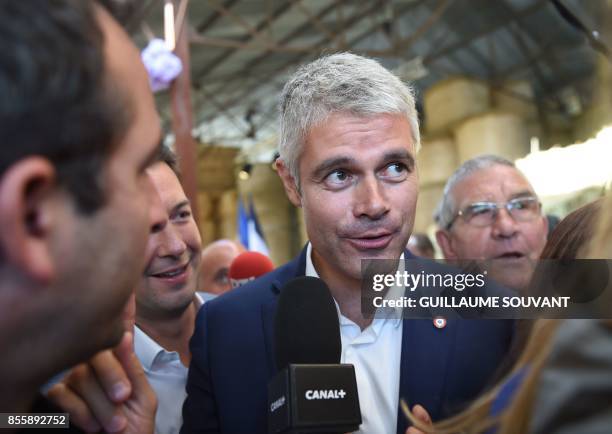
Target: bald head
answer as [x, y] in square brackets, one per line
[216, 260]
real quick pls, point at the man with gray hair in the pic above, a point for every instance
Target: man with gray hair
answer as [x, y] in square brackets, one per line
[490, 212]
[348, 140]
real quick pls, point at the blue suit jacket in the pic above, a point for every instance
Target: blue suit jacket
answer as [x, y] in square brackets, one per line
[233, 359]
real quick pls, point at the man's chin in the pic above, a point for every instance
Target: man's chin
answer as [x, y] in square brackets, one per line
[389, 252]
[113, 333]
[117, 329]
[356, 271]
[175, 307]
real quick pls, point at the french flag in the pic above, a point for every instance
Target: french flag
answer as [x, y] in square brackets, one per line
[249, 230]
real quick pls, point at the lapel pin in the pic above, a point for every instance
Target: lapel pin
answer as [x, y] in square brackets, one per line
[439, 322]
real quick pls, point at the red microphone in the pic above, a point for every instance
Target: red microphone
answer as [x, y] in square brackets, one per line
[248, 266]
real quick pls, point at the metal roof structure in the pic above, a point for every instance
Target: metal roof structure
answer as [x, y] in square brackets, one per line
[242, 51]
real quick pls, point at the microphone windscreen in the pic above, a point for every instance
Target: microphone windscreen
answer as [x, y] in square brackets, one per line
[307, 330]
[248, 265]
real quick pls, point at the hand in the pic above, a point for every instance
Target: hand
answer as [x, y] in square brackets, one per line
[421, 414]
[110, 392]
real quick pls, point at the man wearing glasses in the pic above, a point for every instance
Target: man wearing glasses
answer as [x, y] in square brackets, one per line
[490, 212]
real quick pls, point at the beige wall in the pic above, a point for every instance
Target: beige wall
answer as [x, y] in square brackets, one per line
[216, 185]
[277, 216]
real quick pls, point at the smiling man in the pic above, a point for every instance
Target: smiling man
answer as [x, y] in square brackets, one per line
[166, 300]
[348, 139]
[490, 212]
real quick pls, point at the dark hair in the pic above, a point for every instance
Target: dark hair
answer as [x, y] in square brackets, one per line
[123, 11]
[422, 242]
[56, 99]
[168, 156]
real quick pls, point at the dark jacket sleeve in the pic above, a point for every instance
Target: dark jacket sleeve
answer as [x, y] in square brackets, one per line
[200, 408]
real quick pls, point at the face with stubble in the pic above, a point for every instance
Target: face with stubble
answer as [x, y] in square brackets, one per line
[170, 279]
[358, 190]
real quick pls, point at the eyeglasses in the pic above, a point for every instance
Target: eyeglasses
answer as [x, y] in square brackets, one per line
[482, 214]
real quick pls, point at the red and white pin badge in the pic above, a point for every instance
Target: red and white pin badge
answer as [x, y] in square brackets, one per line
[439, 322]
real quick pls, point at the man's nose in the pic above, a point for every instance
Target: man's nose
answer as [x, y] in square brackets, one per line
[504, 225]
[370, 199]
[171, 243]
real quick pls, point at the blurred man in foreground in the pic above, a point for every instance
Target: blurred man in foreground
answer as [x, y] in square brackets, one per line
[80, 128]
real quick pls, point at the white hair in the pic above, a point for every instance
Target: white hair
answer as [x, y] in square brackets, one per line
[342, 82]
[446, 210]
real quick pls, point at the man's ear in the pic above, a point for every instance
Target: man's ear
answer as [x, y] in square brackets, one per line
[444, 241]
[289, 183]
[26, 217]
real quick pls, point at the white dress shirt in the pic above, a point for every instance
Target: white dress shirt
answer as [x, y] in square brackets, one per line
[167, 376]
[375, 352]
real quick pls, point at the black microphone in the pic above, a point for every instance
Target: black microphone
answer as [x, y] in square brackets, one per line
[312, 392]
